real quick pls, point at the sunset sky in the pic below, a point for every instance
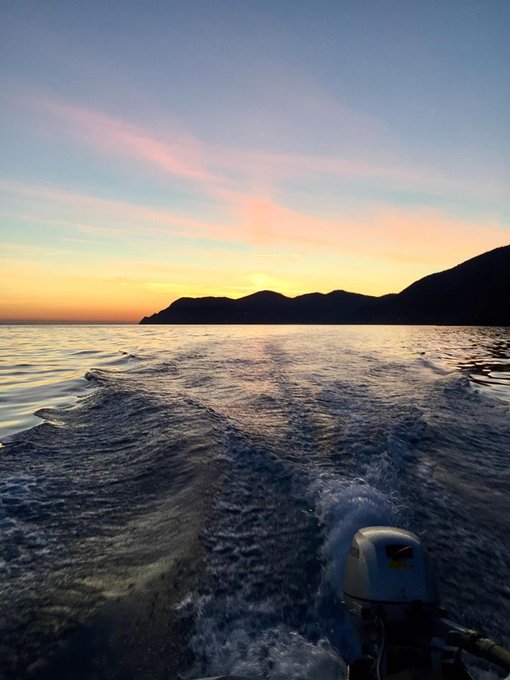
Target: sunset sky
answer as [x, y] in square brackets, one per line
[151, 150]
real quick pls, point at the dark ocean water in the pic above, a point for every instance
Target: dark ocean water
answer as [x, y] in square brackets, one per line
[185, 504]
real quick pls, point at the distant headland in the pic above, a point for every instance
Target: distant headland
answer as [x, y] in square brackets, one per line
[474, 293]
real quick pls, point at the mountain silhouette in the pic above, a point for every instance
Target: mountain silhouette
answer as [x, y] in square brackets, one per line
[474, 293]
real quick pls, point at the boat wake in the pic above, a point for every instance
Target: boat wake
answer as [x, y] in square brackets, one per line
[192, 513]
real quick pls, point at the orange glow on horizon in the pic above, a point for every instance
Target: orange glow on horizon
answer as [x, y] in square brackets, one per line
[43, 295]
[105, 258]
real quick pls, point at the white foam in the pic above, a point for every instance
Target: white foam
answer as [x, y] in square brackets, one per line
[281, 654]
[344, 507]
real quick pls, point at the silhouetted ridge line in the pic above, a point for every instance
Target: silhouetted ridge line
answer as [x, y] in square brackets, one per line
[474, 293]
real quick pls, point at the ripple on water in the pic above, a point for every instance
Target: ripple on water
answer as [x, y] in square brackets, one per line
[202, 497]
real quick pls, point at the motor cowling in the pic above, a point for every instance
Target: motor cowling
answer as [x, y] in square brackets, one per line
[389, 565]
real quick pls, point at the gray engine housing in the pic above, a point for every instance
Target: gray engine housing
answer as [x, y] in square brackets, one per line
[389, 566]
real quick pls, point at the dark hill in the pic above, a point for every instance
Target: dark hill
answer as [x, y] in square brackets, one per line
[476, 292]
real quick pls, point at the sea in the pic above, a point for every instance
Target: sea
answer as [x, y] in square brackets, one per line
[178, 501]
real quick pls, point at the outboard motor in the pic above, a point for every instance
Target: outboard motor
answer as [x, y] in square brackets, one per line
[391, 594]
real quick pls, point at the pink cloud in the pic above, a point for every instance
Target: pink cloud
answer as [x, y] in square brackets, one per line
[428, 236]
[221, 170]
[420, 235]
[227, 174]
[424, 236]
[180, 155]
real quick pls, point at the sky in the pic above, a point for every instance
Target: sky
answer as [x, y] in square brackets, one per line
[159, 149]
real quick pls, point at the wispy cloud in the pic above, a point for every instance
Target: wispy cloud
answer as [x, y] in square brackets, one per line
[429, 236]
[178, 154]
[224, 171]
[421, 234]
[96, 215]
